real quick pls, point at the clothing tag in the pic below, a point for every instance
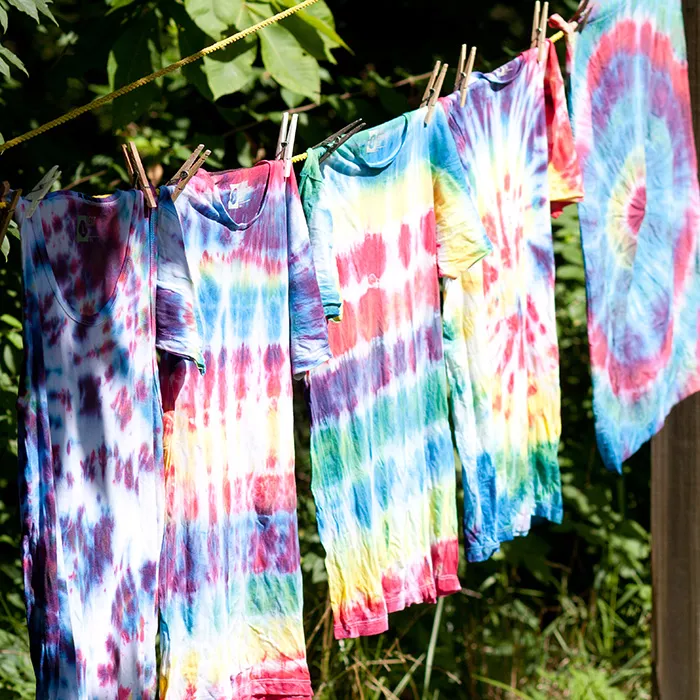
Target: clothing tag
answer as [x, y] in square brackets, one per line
[375, 142]
[86, 229]
[238, 195]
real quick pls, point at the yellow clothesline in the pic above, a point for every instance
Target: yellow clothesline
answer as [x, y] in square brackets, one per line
[95, 104]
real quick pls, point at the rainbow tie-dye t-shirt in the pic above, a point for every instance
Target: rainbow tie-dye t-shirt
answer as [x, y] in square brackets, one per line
[90, 429]
[640, 220]
[514, 140]
[231, 593]
[387, 212]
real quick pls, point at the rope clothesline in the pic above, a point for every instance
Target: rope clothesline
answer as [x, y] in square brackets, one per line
[95, 104]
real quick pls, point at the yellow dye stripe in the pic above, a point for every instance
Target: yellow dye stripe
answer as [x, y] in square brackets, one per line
[154, 76]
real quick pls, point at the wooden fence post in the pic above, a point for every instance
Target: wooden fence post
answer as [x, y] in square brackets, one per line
[675, 504]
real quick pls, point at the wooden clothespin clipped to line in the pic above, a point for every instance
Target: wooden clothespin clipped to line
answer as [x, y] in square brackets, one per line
[435, 92]
[335, 141]
[137, 173]
[285, 141]
[464, 69]
[431, 83]
[539, 29]
[40, 190]
[188, 170]
[7, 208]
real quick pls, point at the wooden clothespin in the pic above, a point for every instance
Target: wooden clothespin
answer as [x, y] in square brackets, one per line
[431, 84]
[461, 75]
[281, 139]
[333, 143]
[285, 141]
[40, 190]
[289, 150]
[329, 140]
[138, 174]
[465, 83]
[534, 37]
[542, 36]
[435, 93]
[580, 18]
[7, 208]
[188, 170]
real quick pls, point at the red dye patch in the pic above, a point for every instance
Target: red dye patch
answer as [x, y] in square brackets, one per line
[122, 407]
[369, 257]
[405, 245]
[371, 312]
[637, 209]
[343, 335]
[429, 237]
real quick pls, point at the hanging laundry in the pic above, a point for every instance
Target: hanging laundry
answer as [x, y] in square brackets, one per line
[90, 446]
[231, 594]
[514, 140]
[387, 212]
[639, 224]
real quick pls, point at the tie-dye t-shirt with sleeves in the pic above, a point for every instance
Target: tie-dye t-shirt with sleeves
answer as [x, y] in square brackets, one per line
[633, 128]
[231, 595]
[515, 144]
[387, 213]
[90, 446]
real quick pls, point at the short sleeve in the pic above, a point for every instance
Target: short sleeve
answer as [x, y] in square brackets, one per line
[564, 171]
[176, 324]
[461, 238]
[309, 345]
[320, 224]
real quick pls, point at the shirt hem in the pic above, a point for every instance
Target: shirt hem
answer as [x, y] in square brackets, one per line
[481, 552]
[314, 361]
[444, 586]
[553, 514]
[276, 687]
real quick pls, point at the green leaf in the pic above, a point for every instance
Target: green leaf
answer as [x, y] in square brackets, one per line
[5, 247]
[288, 63]
[221, 73]
[12, 60]
[117, 4]
[4, 68]
[9, 359]
[3, 18]
[43, 7]
[215, 17]
[313, 29]
[291, 99]
[229, 71]
[309, 39]
[11, 321]
[320, 18]
[132, 58]
[26, 6]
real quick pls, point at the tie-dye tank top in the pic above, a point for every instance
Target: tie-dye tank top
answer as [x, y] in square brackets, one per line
[231, 594]
[89, 445]
[515, 144]
[387, 212]
[640, 220]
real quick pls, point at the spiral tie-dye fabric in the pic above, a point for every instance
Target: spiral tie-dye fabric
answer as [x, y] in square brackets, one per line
[640, 219]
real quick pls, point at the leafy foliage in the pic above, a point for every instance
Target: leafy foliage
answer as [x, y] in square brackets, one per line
[564, 613]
